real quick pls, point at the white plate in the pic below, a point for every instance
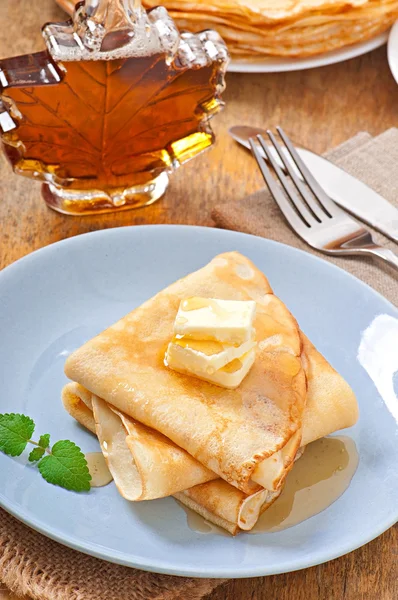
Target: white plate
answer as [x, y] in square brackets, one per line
[55, 299]
[276, 65]
[393, 51]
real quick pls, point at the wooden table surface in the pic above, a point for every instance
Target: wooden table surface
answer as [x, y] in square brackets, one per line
[320, 108]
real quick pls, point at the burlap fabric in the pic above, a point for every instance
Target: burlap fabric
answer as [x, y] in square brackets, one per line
[42, 569]
[372, 160]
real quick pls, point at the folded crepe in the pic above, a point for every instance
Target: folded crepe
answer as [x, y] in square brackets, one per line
[144, 464]
[144, 469]
[249, 436]
[330, 406]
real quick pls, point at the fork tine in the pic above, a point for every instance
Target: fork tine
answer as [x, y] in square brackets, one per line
[315, 208]
[288, 187]
[327, 204]
[290, 214]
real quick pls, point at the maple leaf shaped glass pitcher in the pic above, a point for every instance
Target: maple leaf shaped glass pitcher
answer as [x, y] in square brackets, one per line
[117, 100]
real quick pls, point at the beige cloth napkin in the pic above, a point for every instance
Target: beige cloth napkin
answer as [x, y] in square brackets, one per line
[372, 160]
[34, 565]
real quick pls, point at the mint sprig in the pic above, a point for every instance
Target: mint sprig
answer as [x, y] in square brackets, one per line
[15, 433]
[64, 464]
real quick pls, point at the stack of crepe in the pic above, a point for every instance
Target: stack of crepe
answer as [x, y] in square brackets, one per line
[223, 453]
[293, 28]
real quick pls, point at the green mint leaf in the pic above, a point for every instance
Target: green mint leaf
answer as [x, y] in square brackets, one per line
[44, 441]
[36, 454]
[66, 466]
[15, 432]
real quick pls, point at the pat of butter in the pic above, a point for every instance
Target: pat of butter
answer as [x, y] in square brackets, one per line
[229, 321]
[204, 356]
[230, 376]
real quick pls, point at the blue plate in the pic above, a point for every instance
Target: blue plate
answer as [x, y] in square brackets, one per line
[57, 298]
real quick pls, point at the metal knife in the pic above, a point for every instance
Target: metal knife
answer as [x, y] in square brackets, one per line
[347, 191]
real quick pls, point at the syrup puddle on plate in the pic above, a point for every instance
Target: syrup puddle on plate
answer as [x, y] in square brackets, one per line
[100, 474]
[199, 524]
[317, 479]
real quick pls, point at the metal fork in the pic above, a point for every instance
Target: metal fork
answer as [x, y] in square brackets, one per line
[308, 209]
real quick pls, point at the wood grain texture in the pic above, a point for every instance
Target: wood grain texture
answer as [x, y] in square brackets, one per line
[6, 595]
[320, 108]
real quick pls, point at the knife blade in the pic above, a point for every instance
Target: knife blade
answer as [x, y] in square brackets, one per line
[347, 191]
